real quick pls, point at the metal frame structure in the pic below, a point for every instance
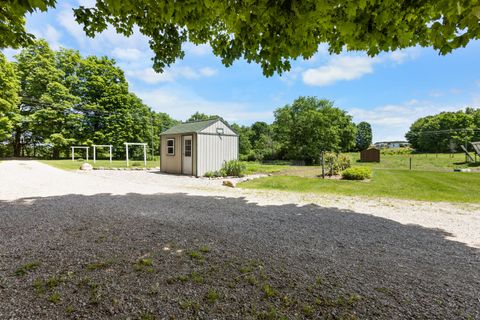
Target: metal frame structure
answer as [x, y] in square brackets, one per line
[101, 146]
[127, 144]
[78, 147]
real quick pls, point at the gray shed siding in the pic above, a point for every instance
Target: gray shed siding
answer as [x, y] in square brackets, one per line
[215, 149]
[219, 124]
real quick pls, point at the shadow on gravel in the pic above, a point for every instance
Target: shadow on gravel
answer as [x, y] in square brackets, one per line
[180, 256]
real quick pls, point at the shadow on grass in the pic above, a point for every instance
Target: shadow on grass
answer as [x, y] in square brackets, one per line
[175, 255]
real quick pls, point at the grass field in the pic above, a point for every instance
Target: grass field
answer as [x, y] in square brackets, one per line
[415, 185]
[423, 162]
[431, 179]
[74, 165]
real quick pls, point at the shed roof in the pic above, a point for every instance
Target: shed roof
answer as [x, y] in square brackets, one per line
[190, 127]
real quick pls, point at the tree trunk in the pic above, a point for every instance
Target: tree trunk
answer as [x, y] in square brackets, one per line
[56, 153]
[17, 145]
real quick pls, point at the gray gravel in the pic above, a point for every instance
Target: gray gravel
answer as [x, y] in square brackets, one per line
[135, 256]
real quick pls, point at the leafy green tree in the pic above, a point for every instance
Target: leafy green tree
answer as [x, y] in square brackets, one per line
[244, 137]
[261, 139]
[37, 70]
[309, 126]
[197, 116]
[270, 33]
[442, 132]
[67, 99]
[9, 98]
[363, 139]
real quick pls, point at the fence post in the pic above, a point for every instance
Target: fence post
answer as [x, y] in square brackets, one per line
[410, 163]
[323, 165]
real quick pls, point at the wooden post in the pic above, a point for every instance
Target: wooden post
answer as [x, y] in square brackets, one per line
[87, 154]
[110, 154]
[410, 163]
[73, 154]
[94, 152]
[323, 165]
[145, 155]
[126, 146]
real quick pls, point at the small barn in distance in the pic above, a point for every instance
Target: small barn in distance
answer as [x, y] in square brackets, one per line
[194, 148]
[370, 155]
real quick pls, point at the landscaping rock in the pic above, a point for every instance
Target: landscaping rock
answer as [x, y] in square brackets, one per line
[86, 167]
[228, 183]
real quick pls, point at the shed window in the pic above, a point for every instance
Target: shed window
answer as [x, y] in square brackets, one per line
[188, 148]
[220, 130]
[170, 147]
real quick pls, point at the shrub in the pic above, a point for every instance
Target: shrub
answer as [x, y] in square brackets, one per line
[233, 168]
[209, 174]
[336, 163]
[214, 174]
[357, 173]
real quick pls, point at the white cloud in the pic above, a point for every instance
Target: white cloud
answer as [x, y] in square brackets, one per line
[181, 103]
[102, 42]
[172, 74]
[291, 76]
[50, 34]
[129, 54]
[401, 56]
[199, 50]
[208, 72]
[391, 122]
[339, 68]
[67, 20]
[346, 67]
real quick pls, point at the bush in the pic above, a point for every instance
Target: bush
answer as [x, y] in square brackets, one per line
[357, 173]
[334, 164]
[233, 168]
[214, 174]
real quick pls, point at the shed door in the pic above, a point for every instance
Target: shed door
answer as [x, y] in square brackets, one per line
[187, 155]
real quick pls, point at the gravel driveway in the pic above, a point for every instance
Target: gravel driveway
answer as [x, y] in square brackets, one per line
[141, 245]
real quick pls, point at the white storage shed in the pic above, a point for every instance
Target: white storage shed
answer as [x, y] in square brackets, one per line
[194, 148]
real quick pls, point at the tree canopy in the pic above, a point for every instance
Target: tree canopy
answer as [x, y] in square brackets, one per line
[363, 139]
[445, 131]
[309, 126]
[58, 98]
[9, 98]
[198, 116]
[270, 33]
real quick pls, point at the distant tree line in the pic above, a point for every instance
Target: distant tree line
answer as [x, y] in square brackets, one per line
[51, 100]
[445, 131]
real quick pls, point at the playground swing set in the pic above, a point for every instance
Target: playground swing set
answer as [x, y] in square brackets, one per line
[476, 149]
[110, 147]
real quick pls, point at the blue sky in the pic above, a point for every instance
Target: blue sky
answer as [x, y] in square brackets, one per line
[389, 91]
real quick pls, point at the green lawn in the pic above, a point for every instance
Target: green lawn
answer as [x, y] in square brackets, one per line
[74, 165]
[416, 185]
[423, 162]
[258, 167]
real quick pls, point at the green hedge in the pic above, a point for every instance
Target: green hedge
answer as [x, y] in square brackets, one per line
[357, 173]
